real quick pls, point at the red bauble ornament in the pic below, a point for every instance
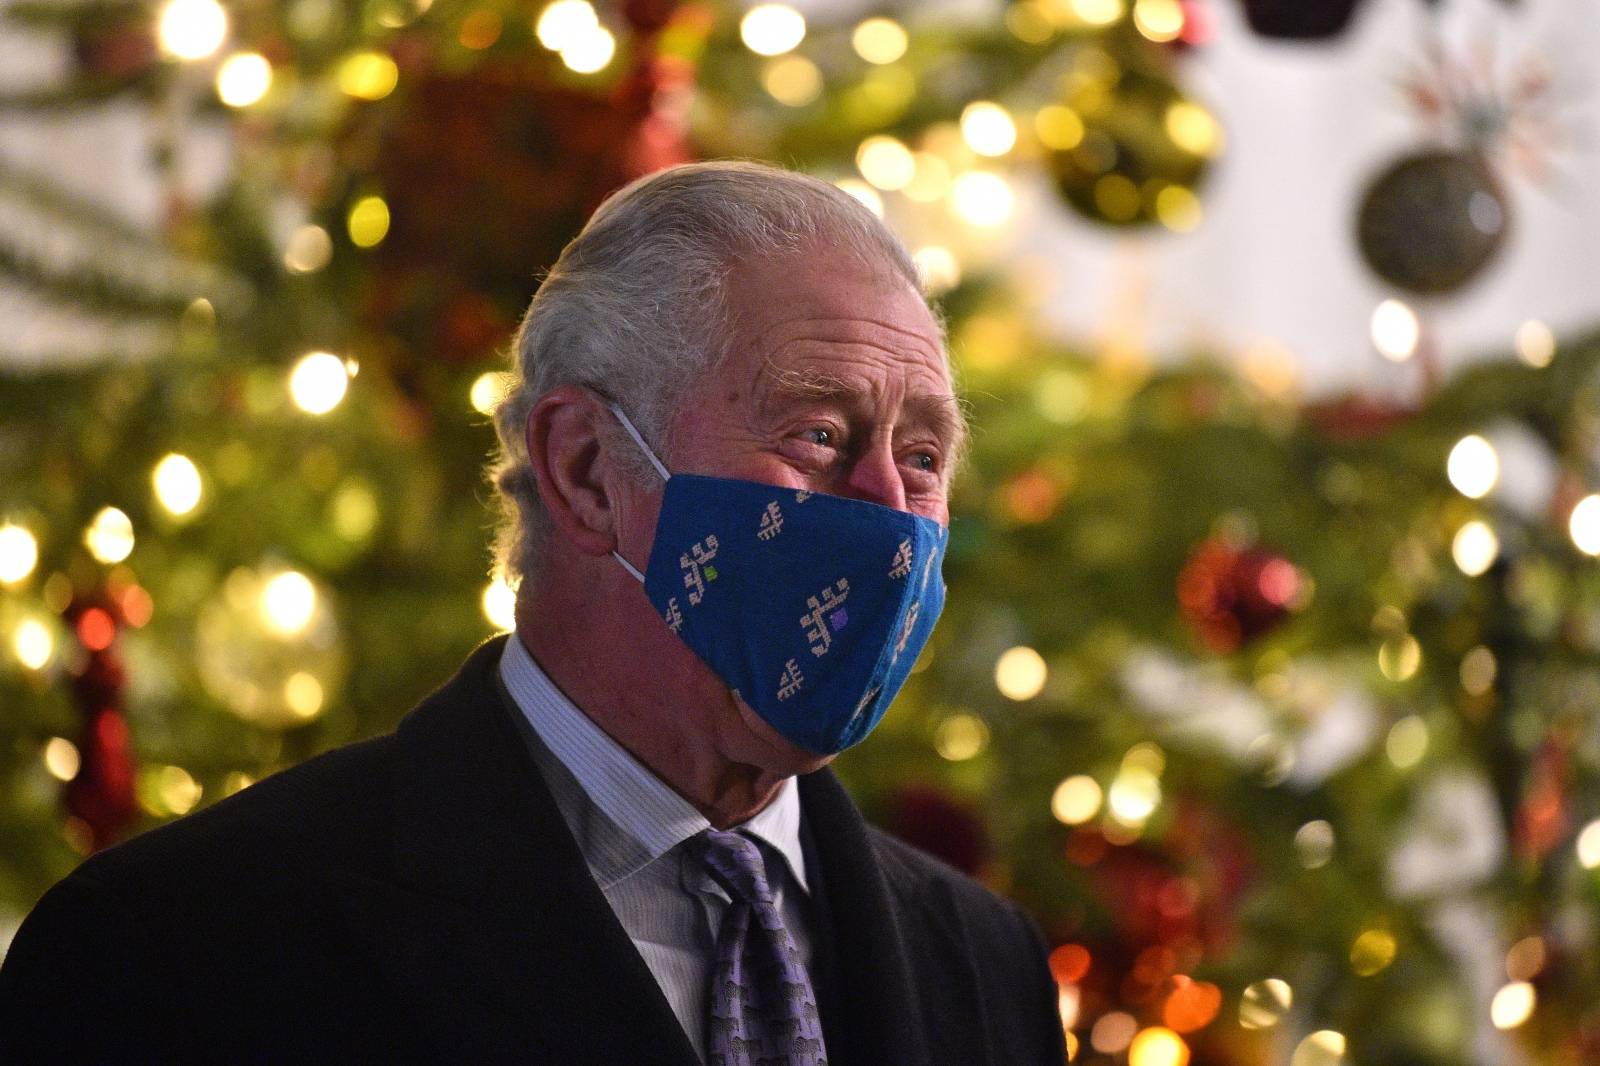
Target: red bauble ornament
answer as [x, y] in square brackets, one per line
[1232, 594]
[101, 796]
[1358, 417]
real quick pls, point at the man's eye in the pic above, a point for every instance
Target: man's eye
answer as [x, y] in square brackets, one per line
[821, 436]
[925, 461]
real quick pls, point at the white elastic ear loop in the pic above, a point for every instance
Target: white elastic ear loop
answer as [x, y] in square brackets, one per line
[639, 440]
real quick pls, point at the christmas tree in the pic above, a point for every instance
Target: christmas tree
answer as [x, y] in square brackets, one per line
[1279, 715]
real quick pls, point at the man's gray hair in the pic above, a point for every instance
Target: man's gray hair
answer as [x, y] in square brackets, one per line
[635, 307]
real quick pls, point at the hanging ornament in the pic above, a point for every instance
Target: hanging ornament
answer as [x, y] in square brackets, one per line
[101, 795]
[1298, 20]
[1432, 220]
[1231, 595]
[1126, 147]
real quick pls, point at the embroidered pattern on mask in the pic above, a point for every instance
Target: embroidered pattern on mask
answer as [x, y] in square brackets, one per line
[771, 522]
[696, 564]
[900, 565]
[826, 610]
[789, 683]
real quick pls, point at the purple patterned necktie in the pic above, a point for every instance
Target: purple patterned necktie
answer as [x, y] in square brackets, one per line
[762, 1010]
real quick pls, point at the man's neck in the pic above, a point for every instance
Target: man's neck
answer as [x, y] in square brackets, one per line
[654, 698]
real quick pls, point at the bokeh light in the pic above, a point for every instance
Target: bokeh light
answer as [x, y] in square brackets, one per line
[792, 80]
[565, 21]
[961, 737]
[499, 604]
[243, 79]
[1584, 525]
[1535, 343]
[33, 644]
[288, 600]
[1395, 331]
[109, 537]
[308, 251]
[19, 553]
[1020, 673]
[191, 29]
[885, 162]
[988, 128]
[368, 75]
[318, 382]
[1473, 466]
[1264, 1003]
[1475, 547]
[982, 199]
[1512, 1005]
[61, 758]
[1158, 1046]
[1325, 1047]
[879, 40]
[368, 221]
[772, 29]
[1076, 800]
[177, 485]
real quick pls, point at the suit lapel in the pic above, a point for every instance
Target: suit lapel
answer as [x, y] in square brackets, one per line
[493, 924]
[881, 1012]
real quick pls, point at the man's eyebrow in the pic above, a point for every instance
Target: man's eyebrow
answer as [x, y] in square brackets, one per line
[945, 415]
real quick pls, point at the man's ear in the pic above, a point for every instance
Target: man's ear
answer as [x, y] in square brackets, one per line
[564, 438]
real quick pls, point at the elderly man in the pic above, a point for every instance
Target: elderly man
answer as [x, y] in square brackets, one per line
[612, 838]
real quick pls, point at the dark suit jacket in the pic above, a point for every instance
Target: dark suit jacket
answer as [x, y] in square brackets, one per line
[417, 897]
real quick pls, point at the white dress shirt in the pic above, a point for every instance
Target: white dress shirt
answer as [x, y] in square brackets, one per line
[632, 827]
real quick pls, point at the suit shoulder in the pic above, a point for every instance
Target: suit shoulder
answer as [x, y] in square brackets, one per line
[909, 868]
[328, 811]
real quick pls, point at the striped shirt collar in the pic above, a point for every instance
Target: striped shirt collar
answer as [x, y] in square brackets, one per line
[648, 813]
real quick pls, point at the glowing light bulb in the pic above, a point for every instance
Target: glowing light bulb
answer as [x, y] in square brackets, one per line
[318, 382]
[1193, 128]
[1264, 1003]
[886, 162]
[1076, 800]
[243, 79]
[302, 694]
[879, 40]
[1473, 466]
[19, 554]
[1325, 1047]
[288, 601]
[368, 75]
[1588, 846]
[1407, 742]
[772, 29]
[564, 21]
[1020, 673]
[1098, 12]
[961, 737]
[309, 250]
[1475, 547]
[488, 390]
[368, 221]
[61, 758]
[500, 604]
[1512, 1005]
[1158, 20]
[1158, 1046]
[982, 199]
[1535, 344]
[177, 484]
[33, 644]
[1134, 795]
[109, 537]
[191, 29]
[1584, 525]
[988, 129]
[590, 52]
[794, 81]
[1395, 331]
[1372, 952]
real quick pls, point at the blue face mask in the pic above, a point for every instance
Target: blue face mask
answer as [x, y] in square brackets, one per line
[812, 608]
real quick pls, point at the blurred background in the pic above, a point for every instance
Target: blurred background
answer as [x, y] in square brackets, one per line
[1268, 680]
